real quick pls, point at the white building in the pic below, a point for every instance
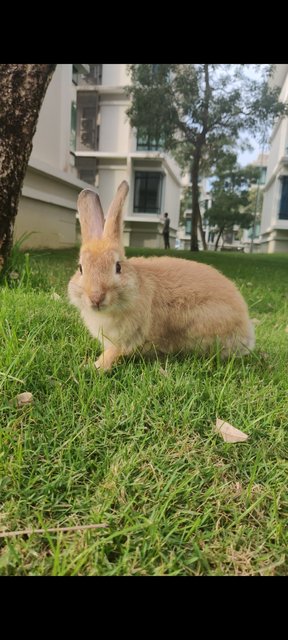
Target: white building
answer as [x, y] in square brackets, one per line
[235, 239]
[252, 236]
[83, 136]
[107, 151]
[47, 205]
[274, 224]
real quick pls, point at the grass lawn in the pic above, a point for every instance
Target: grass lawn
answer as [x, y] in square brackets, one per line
[135, 448]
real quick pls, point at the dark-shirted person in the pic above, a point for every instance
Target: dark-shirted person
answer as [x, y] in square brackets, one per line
[166, 231]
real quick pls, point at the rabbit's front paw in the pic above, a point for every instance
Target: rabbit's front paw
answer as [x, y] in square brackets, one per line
[99, 363]
[107, 358]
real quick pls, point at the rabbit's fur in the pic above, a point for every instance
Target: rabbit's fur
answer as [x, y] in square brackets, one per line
[164, 304]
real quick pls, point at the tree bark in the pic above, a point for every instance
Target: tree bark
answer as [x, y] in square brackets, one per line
[218, 238]
[202, 232]
[196, 215]
[195, 203]
[22, 89]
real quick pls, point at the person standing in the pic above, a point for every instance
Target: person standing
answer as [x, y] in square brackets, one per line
[166, 231]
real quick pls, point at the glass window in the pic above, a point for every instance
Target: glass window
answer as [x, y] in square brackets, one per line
[73, 126]
[88, 128]
[147, 192]
[95, 74]
[283, 212]
[188, 226]
[155, 68]
[75, 75]
[262, 178]
[88, 175]
[147, 143]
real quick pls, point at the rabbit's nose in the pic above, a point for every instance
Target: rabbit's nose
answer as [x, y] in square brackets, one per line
[96, 299]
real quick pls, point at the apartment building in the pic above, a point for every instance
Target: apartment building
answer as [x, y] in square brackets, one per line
[47, 208]
[251, 238]
[108, 151]
[274, 223]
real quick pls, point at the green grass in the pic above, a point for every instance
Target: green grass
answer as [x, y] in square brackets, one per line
[135, 448]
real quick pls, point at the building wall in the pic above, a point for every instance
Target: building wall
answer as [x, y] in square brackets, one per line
[270, 206]
[277, 149]
[115, 75]
[47, 208]
[52, 137]
[274, 231]
[48, 225]
[109, 180]
[114, 127]
[48, 203]
[148, 237]
[118, 158]
[171, 200]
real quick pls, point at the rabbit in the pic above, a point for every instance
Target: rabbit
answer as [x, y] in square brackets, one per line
[165, 304]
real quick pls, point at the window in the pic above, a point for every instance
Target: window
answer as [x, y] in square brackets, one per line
[254, 232]
[147, 143]
[283, 212]
[73, 126]
[87, 114]
[188, 226]
[147, 192]
[88, 175]
[155, 68]
[75, 74]
[88, 130]
[159, 72]
[93, 77]
[95, 74]
[87, 169]
[262, 178]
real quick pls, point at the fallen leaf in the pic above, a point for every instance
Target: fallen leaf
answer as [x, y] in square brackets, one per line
[163, 372]
[24, 398]
[228, 432]
[255, 321]
[14, 275]
[55, 296]
[249, 284]
[286, 329]
[238, 488]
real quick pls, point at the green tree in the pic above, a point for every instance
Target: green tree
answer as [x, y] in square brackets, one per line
[22, 89]
[255, 202]
[198, 111]
[231, 195]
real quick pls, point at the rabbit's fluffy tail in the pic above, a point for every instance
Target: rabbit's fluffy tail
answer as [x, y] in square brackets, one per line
[251, 336]
[240, 346]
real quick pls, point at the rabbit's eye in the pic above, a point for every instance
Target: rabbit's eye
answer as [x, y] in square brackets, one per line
[118, 267]
[80, 268]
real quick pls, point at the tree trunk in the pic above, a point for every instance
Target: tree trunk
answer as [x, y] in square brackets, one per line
[204, 243]
[196, 215]
[22, 89]
[195, 203]
[218, 238]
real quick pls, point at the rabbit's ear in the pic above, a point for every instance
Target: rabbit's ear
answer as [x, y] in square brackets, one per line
[90, 214]
[113, 223]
